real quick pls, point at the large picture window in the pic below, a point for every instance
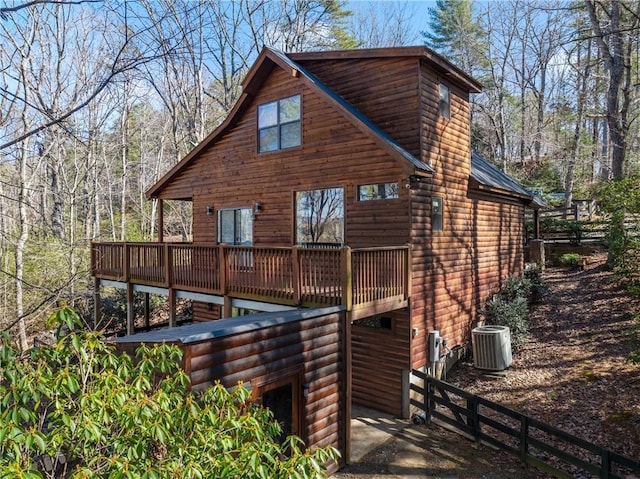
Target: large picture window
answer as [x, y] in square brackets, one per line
[235, 226]
[320, 216]
[279, 124]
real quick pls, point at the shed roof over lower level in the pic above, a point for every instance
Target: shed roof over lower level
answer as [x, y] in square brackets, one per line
[202, 331]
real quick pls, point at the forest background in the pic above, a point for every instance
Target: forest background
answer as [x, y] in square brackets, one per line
[99, 98]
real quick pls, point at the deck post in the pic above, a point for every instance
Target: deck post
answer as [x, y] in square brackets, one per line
[347, 278]
[409, 276]
[167, 265]
[172, 307]
[97, 305]
[126, 261]
[130, 311]
[226, 307]
[146, 310]
[160, 221]
[222, 269]
[297, 280]
[346, 361]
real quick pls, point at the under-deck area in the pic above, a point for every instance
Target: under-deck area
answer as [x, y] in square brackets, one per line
[366, 281]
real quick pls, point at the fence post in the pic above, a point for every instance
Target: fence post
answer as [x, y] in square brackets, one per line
[605, 466]
[429, 401]
[524, 436]
[473, 422]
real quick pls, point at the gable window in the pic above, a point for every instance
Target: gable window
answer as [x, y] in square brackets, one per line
[320, 216]
[436, 213]
[445, 101]
[235, 226]
[382, 191]
[279, 125]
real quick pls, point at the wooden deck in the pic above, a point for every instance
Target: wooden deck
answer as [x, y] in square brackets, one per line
[366, 281]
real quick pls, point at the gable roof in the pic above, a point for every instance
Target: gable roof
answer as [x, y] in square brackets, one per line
[267, 60]
[492, 178]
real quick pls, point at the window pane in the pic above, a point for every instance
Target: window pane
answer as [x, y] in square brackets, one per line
[436, 214]
[290, 109]
[268, 114]
[391, 190]
[445, 101]
[378, 192]
[244, 227]
[226, 224]
[235, 226]
[367, 192]
[268, 139]
[320, 216]
[290, 135]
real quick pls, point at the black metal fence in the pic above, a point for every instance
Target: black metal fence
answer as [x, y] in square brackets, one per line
[534, 442]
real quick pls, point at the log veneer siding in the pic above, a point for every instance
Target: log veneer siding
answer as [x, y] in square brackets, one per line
[456, 270]
[380, 357]
[311, 349]
[231, 174]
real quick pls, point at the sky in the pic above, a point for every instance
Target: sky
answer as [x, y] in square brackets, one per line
[418, 10]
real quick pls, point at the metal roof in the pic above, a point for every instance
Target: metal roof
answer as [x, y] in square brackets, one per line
[488, 175]
[194, 332]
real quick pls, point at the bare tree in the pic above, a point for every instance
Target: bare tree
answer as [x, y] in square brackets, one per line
[613, 23]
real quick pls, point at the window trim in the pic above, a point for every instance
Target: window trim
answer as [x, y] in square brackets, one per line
[279, 125]
[444, 104]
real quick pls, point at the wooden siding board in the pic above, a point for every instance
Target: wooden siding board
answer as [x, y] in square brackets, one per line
[456, 270]
[379, 358]
[231, 174]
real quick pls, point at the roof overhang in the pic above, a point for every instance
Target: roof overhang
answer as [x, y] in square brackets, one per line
[439, 63]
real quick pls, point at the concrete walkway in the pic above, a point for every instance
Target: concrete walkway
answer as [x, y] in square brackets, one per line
[384, 447]
[370, 429]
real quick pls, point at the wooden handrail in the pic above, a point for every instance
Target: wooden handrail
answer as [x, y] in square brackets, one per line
[286, 275]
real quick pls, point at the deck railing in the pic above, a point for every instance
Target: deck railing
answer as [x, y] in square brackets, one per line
[285, 275]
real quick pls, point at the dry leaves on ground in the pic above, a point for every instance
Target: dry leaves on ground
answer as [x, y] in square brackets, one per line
[574, 373]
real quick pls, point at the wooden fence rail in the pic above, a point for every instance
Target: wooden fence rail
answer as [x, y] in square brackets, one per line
[534, 442]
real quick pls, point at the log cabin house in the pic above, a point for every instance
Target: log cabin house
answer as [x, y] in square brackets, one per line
[340, 179]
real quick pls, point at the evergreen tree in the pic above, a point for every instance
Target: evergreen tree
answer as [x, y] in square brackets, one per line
[456, 33]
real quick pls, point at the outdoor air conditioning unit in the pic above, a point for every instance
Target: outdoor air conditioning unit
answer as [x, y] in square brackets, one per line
[491, 347]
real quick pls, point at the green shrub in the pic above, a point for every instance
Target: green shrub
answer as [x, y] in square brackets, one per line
[569, 260]
[515, 287]
[109, 415]
[511, 313]
[510, 306]
[538, 286]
